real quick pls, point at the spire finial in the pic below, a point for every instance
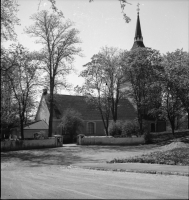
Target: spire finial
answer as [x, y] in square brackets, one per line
[138, 8]
[138, 39]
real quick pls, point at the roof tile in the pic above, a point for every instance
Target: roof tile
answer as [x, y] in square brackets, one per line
[78, 103]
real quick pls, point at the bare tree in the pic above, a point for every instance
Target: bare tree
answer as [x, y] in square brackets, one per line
[23, 78]
[8, 22]
[59, 40]
[8, 19]
[110, 60]
[103, 78]
[8, 108]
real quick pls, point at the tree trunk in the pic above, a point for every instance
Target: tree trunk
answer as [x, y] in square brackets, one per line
[188, 119]
[114, 114]
[140, 121]
[114, 107]
[141, 127]
[103, 120]
[51, 109]
[106, 124]
[173, 126]
[106, 130]
[51, 117]
[22, 129]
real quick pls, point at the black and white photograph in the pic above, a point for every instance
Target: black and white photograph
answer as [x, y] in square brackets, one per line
[94, 99]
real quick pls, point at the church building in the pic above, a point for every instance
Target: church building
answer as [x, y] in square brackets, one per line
[93, 122]
[93, 125]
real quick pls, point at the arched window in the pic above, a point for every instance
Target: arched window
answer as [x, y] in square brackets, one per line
[91, 128]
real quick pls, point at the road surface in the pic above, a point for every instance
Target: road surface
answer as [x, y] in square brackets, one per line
[37, 174]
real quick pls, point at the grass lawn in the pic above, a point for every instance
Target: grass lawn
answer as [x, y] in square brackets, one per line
[175, 151]
[177, 156]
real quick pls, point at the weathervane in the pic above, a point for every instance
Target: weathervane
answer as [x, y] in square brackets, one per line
[138, 8]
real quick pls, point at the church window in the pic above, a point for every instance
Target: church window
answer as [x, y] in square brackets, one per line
[91, 128]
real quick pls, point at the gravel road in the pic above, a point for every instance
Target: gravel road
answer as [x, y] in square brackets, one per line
[47, 174]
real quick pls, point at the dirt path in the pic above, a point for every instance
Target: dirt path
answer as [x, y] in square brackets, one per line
[72, 154]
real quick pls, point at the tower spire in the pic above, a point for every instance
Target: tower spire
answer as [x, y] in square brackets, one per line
[138, 9]
[138, 39]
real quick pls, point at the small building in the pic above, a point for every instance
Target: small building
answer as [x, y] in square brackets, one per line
[30, 129]
[37, 126]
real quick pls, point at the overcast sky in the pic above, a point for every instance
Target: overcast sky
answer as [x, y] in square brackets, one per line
[164, 24]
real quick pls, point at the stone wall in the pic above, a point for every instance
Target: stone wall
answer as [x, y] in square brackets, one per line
[11, 145]
[109, 140]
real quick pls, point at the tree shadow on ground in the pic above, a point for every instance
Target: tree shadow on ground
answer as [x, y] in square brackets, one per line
[169, 140]
[38, 157]
[68, 155]
[133, 148]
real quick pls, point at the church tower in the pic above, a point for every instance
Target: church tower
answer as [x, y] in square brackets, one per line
[138, 39]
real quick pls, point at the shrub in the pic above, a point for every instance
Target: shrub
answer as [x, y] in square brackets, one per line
[115, 128]
[148, 137]
[126, 129]
[71, 122]
[130, 128]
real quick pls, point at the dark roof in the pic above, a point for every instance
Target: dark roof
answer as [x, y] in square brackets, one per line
[78, 103]
[37, 125]
[138, 32]
[138, 39]
[137, 44]
[31, 123]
